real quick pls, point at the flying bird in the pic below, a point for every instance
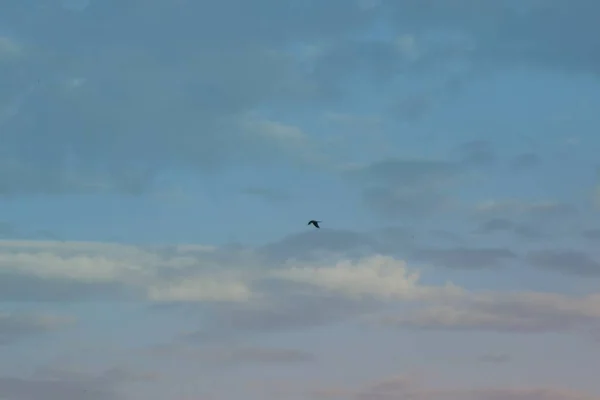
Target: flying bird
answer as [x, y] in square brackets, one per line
[315, 223]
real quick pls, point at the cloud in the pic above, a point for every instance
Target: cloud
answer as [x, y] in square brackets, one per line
[525, 161]
[330, 243]
[15, 326]
[196, 105]
[525, 219]
[536, 211]
[478, 153]
[513, 33]
[268, 194]
[412, 388]
[75, 5]
[200, 288]
[47, 270]
[55, 384]
[383, 277]
[596, 199]
[293, 311]
[526, 312]
[499, 225]
[592, 234]
[466, 258]
[7, 229]
[565, 261]
[494, 358]
[361, 123]
[26, 389]
[234, 355]
[405, 187]
[243, 291]
[9, 49]
[189, 109]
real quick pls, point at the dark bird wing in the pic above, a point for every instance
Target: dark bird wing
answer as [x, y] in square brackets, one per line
[313, 222]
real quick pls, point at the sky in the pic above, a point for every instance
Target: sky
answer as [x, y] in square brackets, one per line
[160, 160]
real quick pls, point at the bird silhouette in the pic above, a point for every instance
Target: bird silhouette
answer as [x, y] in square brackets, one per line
[315, 223]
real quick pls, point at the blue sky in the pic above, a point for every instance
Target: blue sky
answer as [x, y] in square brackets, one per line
[160, 159]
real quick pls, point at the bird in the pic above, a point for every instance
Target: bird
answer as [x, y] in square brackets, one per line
[315, 223]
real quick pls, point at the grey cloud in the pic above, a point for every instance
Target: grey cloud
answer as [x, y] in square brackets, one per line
[379, 61]
[414, 173]
[529, 232]
[395, 240]
[538, 213]
[524, 161]
[466, 258]
[592, 234]
[32, 389]
[43, 234]
[496, 318]
[354, 123]
[392, 203]
[527, 312]
[552, 210]
[513, 32]
[14, 327]
[404, 187]
[7, 229]
[109, 377]
[55, 384]
[26, 288]
[401, 387]
[334, 243]
[307, 246]
[178, 96]
[532, 221]
[187, 108]
[267, 194]
[292, 312]
[75, 5]
[412, 107]
[494, 358]
[496, 225]
[478, 153]
[267, 356]
[234, 355]
[565, 261]
[446, 236]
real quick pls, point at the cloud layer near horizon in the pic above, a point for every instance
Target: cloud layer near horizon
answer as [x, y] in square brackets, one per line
[248, 278]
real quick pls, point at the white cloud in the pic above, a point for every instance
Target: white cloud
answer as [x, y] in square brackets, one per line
[196, 274]
[196, 289]
[153, 271]
[377, 276]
